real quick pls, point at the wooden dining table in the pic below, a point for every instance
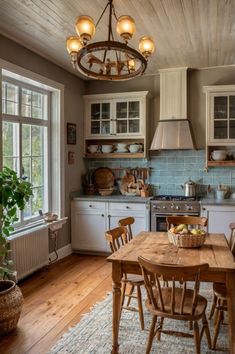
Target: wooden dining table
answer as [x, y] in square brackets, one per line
[155, 246]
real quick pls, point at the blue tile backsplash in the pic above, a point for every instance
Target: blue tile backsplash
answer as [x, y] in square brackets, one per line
[169, 169]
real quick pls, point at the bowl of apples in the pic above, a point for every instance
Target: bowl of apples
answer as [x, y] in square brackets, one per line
[187, 236]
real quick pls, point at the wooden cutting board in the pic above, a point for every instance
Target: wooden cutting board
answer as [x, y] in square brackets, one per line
[103, 178]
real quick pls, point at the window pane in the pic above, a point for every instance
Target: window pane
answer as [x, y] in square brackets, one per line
[134, 126]
[220, 107]
[122, 126]
[232, 106]
[95, 111]
[26, 97]
[37, 201]
[37, 177]
[25, 110]
[26, 139]
[134, 109]
[12, 162]
[26, 168]
[37, 139]
[220, 130]
[37, 112]
[10, 99]
[11, 108]
[10, 139]
[121, 109]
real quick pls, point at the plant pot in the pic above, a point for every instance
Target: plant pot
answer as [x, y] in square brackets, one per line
[11, 302]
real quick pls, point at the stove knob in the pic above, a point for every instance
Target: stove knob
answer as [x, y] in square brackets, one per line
[172, 206]
[189, 207]
[163, 207]
[177, 207]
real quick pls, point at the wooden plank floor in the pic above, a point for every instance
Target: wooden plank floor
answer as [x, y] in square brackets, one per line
[55, 299]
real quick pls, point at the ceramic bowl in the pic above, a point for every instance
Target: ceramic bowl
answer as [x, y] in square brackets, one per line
[134, 148]
[106, 148]
[219, 155]
[92, 148]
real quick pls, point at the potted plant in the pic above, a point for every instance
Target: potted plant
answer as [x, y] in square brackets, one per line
[14, 193]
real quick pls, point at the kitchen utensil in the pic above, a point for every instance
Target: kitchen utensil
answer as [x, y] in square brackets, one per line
[220, 194]
[219, 155]
[125, 181]
[103, 178]
[189, 188]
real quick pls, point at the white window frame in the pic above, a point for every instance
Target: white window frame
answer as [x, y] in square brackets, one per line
[57, 155]
[19, 119]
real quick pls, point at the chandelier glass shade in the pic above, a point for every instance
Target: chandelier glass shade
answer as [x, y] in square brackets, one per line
[109, 59]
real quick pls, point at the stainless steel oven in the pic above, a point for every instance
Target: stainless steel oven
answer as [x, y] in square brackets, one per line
[161, 209]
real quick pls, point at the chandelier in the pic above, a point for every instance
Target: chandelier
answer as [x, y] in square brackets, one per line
[110, 59]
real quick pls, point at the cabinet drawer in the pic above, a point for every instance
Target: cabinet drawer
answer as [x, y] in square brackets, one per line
[91, 205]
[127, 206]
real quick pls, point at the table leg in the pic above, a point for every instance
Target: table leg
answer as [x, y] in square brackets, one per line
[116, 276]
[230, 284]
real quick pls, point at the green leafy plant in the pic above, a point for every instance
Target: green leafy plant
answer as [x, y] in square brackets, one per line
[14, 194]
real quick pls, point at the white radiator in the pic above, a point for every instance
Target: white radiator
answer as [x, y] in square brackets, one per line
[30, 250]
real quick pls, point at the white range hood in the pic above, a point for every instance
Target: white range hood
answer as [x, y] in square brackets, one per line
[174, 129]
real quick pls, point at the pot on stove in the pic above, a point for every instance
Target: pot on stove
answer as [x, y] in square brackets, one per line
[189, 188]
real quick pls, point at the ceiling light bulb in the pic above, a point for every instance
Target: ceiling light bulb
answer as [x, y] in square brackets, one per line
[74, 44]
[126, 27]
[131, 64]
[146, 46]
[85, 28]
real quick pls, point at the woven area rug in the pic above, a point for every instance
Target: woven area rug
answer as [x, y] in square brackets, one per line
[93, 334]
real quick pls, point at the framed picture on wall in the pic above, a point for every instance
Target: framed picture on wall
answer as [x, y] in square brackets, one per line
[71, 133]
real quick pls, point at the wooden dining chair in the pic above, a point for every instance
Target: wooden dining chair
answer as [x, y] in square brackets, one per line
[219, 304]
[127, 222]
[175, 302]
[118, 237]
[188, 220]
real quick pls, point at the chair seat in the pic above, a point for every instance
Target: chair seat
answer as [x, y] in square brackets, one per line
[220, 290]
[187, 312]
[134, 279]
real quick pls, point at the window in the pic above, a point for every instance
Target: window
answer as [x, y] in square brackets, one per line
[25, 141]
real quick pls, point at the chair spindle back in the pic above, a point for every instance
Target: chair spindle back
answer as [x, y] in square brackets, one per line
[127, 222]
[153, 274]
[116, 237]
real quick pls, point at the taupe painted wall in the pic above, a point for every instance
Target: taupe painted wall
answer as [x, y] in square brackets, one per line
[196, 100]
[73, 112]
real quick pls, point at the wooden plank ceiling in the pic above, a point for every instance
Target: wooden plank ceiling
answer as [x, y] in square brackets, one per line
[192, 33]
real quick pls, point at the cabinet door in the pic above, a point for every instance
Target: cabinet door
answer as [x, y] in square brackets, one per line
[99, 117]
[88, 230]
[222, 118]
[128, 117]
[219, 219]
[140, 224]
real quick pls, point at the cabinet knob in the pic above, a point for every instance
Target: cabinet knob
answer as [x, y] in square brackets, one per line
[102, 215]
[90, 206]
[127, 207]
[203, 208]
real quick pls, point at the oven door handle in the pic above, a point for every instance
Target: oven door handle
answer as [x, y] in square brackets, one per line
[174, 214]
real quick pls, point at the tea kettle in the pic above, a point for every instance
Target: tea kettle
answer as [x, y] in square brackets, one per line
[189, 188]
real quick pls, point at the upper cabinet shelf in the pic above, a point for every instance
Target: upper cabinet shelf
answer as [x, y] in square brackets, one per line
[113, 118]
[220, 122]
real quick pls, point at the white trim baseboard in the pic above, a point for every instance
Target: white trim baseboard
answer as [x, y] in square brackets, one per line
[62, 252]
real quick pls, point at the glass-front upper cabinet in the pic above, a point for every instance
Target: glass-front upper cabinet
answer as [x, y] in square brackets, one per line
[223, 116]
[220, 114]
[127, 116]
[100, 118]
[118, 114]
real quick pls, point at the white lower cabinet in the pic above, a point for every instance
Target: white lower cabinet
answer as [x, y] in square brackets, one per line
[90, 220]
[139, 211]
[219, 218]
[88, 225]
